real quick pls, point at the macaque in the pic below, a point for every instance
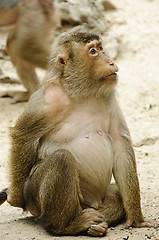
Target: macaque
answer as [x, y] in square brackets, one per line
[28, 43]
[68, 143]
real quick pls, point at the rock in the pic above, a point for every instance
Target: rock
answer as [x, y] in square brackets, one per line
[86, 15]
[88, 12]
[107, 5]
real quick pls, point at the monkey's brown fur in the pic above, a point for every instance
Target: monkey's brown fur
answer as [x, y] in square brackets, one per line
[70, 140]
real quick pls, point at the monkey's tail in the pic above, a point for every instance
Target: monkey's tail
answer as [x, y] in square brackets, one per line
[3, 196]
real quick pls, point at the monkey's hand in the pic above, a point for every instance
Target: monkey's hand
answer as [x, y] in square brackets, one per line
[144, 224]
[3, 196]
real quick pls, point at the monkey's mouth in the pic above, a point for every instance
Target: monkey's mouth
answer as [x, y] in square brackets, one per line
[112, 76]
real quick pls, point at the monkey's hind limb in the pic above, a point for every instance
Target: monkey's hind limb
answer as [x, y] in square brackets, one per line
[56, 198]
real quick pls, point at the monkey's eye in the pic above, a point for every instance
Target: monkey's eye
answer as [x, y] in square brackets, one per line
[93, 50]
[101, 48]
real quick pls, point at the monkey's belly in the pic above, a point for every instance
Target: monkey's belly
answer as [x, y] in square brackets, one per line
[94, 156]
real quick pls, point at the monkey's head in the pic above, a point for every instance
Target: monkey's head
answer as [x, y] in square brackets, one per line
[82, 67]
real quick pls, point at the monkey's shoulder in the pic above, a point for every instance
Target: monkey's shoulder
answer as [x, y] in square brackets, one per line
[56, 103]
[55, 96]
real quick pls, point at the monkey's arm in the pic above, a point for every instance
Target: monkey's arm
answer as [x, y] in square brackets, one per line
[124, 167]
[125, 172]
[44, 111]
[25, 137]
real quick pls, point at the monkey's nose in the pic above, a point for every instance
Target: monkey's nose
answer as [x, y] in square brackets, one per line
[114, 66]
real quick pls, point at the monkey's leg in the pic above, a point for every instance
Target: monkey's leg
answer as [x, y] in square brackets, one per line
[112, 208]
[52, 192]
[25, 70]
[29, 79]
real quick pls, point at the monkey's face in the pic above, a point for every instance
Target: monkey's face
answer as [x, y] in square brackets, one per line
[102, 69]
[86, 70]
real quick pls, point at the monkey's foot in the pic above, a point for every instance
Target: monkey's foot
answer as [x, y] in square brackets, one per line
[145, 224]
[150, 224]
[17, 96]
[6, 79]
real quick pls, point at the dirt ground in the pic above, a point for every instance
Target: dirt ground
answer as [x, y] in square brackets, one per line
[137, 25]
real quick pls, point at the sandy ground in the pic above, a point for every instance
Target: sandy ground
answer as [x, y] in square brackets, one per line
[137, 25]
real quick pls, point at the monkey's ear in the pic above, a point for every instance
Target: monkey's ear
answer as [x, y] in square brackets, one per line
[61, 60]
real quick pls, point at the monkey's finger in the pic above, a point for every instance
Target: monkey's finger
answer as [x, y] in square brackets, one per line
[98, 230]
[3, 196]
